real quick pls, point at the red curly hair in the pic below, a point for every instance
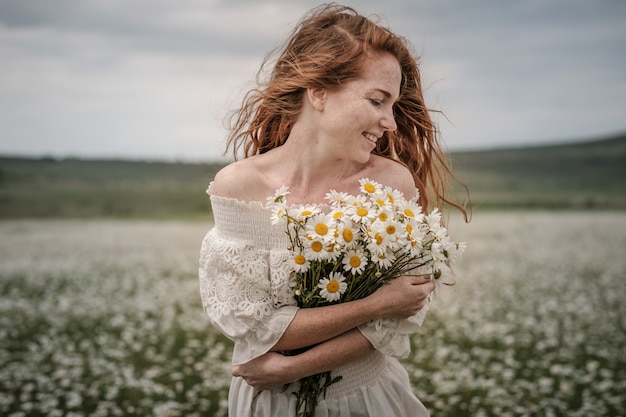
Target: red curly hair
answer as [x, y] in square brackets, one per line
[326, 49]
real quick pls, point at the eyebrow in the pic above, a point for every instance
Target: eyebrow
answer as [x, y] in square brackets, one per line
[384, 92]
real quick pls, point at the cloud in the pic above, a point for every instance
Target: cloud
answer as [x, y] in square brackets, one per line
[156, 78]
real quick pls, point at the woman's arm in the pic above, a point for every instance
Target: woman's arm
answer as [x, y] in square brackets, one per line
[401, 298]
[274, 370]
[321, 327]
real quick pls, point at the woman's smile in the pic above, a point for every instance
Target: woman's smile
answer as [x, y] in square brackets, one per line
[372, 138]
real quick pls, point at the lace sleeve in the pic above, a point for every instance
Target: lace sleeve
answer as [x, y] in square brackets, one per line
[391, 336]
[240, 297]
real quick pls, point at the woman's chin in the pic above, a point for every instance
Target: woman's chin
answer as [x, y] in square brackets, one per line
[363, 158]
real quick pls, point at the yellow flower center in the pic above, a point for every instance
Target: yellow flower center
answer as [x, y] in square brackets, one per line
[378, 238]
[321, 229]
[355, 262]
[409, 228]
[369, 188]
[332, 287]
[317, 246]
[362, 212]
[390, 198]
[391, 229]
[338, 215]
[299, 259]
[306, 212]
[409, 212]
[347, 235]
[383, 217]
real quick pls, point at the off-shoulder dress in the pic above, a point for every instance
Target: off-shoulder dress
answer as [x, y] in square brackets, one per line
[245, 291]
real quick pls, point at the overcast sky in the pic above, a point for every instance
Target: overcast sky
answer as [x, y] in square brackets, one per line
[155, 78]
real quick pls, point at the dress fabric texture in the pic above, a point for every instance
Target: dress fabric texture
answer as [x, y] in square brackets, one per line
[245, 291]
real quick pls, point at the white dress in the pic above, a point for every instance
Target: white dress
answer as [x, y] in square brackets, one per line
[244, 286]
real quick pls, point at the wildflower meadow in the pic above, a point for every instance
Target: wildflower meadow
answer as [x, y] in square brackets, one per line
[103, 318]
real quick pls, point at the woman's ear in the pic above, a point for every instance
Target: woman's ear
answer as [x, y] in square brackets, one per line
[317, 97]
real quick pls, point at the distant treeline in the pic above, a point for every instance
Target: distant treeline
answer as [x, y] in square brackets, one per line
[588, 175]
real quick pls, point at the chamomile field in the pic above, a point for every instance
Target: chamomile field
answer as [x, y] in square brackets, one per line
[103, 318]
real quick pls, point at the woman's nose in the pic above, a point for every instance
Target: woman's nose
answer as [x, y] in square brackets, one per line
[388, 122]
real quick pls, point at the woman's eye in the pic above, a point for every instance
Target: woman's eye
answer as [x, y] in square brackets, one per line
[376, 102]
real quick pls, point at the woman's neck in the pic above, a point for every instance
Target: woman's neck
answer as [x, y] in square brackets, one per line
[309, 172]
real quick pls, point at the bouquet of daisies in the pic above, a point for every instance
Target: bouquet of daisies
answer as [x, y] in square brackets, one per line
[347, 249]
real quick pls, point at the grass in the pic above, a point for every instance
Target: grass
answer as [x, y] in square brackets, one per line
[575, 176]
[100, 313]
[73, 188]
[103, 318]
[535, 325]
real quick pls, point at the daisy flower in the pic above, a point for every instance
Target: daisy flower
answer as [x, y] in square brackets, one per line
[384, 215]
[392, 230]
[443, 274]
[304, 212]
[299, 262]
[369, 187]
[336, 197]
[333, 287]
[411, 210]
[347, 234]
[434, 219]
[320, 226]
[354, 261]
[279, 214]
[338, 213]
[316, 250]
[361, 210]
[384, 259]
[414, 235]
[378, 242]
[436, 229]
[438, 251]
[392, 196]
[380, 200]
[279, 196]
[333, 251]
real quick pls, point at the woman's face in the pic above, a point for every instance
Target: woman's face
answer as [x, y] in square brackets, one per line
[357, 114]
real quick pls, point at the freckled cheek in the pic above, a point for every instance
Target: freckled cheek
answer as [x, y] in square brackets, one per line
[362, 114]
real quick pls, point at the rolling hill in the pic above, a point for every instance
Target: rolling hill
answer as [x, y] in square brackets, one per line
[590, 175]
[587, 175]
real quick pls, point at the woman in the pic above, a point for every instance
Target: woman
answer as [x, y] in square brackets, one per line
[343, 102]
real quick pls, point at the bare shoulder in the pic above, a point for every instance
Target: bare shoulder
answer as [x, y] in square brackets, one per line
[238, 180]
[392, 173]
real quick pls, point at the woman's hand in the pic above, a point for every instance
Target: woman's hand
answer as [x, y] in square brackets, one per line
[269, 371]
[404, 296]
